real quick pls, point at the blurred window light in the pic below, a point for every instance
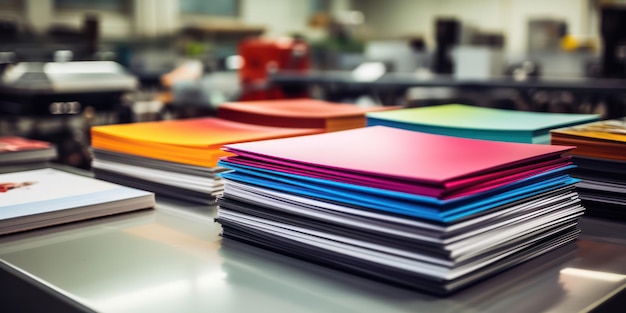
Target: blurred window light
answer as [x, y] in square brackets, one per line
[351, 17]
[228, 8]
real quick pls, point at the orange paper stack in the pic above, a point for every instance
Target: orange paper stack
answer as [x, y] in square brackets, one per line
[601, 162]
[175, 158]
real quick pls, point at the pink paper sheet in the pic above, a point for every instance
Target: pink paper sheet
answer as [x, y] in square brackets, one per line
[384, 152]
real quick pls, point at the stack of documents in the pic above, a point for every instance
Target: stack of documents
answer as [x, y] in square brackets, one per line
[601, 160]
[174, 158]
[479, 122]
[46, 197]
[298, 113]
[426, 211]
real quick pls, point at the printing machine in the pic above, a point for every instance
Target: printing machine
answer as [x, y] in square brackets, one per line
[63, 88]
[59, 101]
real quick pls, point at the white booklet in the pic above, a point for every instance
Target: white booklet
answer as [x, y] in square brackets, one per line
[45, 197]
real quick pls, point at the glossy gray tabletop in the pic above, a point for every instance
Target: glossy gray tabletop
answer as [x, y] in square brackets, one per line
[172, 259]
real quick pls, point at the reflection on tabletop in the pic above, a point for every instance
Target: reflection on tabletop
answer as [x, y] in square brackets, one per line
[173, 258]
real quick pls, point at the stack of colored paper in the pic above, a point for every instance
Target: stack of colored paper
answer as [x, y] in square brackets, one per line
[479, 122]
[174, 158]
[426, 211]
[15, 149]
[298, 113]
[601, 160]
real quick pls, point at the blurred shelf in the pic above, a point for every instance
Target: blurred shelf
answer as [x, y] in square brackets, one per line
[408, 80]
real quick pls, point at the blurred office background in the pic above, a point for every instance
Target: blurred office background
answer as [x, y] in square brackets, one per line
[70, 64]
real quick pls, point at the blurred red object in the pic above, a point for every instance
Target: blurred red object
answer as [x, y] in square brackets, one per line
[262, 57]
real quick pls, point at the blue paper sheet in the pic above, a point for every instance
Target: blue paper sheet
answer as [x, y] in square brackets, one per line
[398, 202]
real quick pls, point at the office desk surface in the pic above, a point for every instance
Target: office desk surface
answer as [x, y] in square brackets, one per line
[172, 259]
